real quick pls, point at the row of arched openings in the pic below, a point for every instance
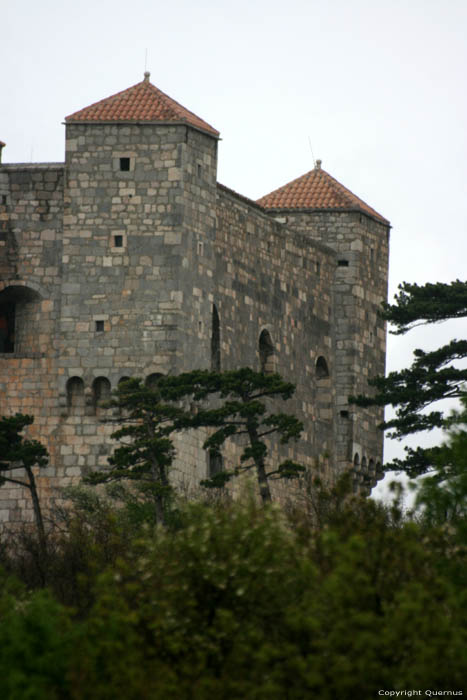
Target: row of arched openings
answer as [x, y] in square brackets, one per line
[80, 402]
[365, 470]
[90, 402]
[266, 351]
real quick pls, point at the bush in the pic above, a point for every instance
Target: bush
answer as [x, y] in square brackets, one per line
[239, 601]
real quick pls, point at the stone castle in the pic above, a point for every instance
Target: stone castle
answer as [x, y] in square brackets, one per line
[130, 259]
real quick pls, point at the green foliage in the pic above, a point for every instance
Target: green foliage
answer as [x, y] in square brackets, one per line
[443, 494]
[36, 645]
[146, 452]
[237, 408]
[18, 452]
[430, 303]
[238, 601]
[241, 409]
[433, 376]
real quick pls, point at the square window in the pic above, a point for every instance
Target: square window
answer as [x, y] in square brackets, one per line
[343, 263]
[99, 326]
[125, 164]
[118, 241]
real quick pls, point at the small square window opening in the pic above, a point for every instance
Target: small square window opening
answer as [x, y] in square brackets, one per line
[118, 241]
[99, 326]
[125, 164]
[343, 263]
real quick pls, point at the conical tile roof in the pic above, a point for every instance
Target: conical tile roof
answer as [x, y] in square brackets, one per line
[142, 102]
[317, 190]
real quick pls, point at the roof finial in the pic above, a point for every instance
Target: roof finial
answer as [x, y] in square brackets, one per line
[147, 75]
[318, 164]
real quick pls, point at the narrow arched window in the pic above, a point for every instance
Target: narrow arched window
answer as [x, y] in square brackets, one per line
[322, 370]
[215, 463]
[364, 465]
[215, 340]
[75, 396]
[356, 460]
[266, 353]
[371, 466]
[101, 391]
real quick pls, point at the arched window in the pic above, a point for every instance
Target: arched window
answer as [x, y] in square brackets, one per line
[266, 353]
[371, 467]
[215, 341]
[364, 465]
[152, 380]
[356, 461]
[322, 370]
[21, 320]
[215, 463]
[101, 392]
[75, 396]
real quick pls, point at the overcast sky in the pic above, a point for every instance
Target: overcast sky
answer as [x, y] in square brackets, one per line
[377, 87]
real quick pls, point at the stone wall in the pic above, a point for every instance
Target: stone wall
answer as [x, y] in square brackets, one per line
[30, 261]
[130, 260]
[270, 278]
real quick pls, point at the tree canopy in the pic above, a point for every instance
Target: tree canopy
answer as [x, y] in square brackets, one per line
[19, 453]
[233, 403]
[240, 409]
[149, 414]
[433, 376]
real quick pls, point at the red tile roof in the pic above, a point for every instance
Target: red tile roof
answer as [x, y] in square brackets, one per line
[142, 102]
[316, 190]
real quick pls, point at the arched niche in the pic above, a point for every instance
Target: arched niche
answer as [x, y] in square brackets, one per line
[364, 465]
[75, 396]
[356, 461]
[215, 340]
[152, 380]
[21, 321]
[266, 353]
[101, 392]
[322, 369]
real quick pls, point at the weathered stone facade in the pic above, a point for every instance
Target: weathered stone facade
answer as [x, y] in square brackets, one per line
[131, 260]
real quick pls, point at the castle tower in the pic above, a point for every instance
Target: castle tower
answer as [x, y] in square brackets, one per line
[319, 206]
[138, 230]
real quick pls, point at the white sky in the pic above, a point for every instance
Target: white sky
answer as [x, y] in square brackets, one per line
[377, 86]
